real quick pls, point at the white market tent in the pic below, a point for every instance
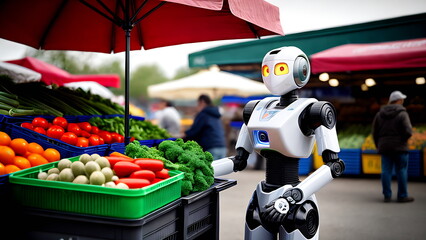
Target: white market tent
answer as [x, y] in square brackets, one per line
[211, 82]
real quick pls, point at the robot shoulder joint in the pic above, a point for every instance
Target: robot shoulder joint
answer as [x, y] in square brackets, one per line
[248, 110]
[317, 114]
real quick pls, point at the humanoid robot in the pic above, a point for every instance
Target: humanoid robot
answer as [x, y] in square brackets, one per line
[283, 130]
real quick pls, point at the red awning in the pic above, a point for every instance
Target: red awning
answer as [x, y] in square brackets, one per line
[358, 57]
[51, 74]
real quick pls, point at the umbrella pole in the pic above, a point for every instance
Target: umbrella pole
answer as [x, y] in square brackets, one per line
[126, 89]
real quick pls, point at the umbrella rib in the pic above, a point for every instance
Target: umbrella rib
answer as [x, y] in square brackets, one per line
[109, 10]
[118, 22]
[250, 25]
[51, 23]
[149, 12]
[138, 10]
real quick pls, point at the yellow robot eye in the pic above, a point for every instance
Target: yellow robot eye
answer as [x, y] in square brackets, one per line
[265, 70]
[281, 69]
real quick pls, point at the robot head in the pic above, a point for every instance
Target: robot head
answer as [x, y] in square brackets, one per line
[285, 69]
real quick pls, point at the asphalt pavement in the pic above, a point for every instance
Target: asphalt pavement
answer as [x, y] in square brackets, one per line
[350, 208]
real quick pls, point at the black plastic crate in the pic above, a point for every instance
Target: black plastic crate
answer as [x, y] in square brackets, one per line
[200, 212]
[49, 225]
[195, 216]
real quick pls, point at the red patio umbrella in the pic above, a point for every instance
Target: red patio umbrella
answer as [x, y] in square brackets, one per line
[105, 25]
[52, 74]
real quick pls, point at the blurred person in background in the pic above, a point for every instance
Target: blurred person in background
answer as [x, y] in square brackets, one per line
[169, 118]
[391, 131]
[207, 129]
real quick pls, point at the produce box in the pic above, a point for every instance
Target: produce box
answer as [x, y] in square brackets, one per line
[14, 129]
[352, 159]
[92, 199]
[195, 216]
[371, 163]
[200, 212]
[305, 165]
[47, 224]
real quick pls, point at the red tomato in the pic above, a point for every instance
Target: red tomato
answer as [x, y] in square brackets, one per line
[40, 130]
[134, 182]
[27, 125]
[95, 130]
[162, 174]
[70, 138]
[154, 165]
[144, 174]
[117, 138]
[106, 136]
[94, 140]
[82, 142]
[73, 127]
[85, 126]
[115, 159]
[124, 168]
[60, 121]
[85, 134]
[156, 180]
[101, 141]
[55, 132]
[40, 122]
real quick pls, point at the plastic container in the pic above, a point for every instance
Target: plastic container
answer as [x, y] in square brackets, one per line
[91, 199]
[189, 217]
[46, 224]
[352, 159]
[120, 147]
[200, 212]
[371, 162]
[305, 165]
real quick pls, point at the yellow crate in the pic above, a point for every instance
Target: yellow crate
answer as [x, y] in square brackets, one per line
[317, 159]
[371, 163]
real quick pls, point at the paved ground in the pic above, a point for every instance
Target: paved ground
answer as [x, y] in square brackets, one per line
[350, 208]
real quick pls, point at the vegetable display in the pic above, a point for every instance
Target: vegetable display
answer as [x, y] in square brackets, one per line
[116, 171]
[17, 154]
[140, 130]
[36, 98]
[187, 157]
[81, 134]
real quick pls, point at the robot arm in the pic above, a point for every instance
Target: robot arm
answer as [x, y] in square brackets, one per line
[237, 163]
[319, 119]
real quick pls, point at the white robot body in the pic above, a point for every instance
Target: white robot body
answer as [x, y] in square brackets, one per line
[275, 128]
[283, 130]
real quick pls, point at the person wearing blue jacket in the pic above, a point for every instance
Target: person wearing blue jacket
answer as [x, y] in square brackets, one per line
[207, 129]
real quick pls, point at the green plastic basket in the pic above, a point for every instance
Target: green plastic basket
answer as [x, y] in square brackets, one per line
[91, 199]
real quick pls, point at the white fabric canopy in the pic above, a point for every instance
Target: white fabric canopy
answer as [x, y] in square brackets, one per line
[18, 73]
[213, 83]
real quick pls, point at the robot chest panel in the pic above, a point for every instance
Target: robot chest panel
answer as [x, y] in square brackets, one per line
[276, 128]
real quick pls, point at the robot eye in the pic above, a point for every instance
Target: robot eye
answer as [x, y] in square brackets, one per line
[280, 69]
[265, 70]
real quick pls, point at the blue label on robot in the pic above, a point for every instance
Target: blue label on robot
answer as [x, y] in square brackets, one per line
[261, 137]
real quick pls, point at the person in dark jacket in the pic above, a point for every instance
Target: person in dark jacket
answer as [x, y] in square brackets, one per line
[207, 129]
[391, 131]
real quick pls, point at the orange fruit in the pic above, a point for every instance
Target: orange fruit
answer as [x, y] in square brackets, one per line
[36, 159]
[19, 145]
[6, 155]
[4, 139]
[2, 170]
[52, 155]
[21, 162]
[35, 148]
[10, 168]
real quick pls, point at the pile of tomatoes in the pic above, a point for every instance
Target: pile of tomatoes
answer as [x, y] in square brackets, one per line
[17, 154]
[81, 134]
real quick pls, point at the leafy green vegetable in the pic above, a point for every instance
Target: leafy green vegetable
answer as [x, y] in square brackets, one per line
[187, 157]
[140, 130]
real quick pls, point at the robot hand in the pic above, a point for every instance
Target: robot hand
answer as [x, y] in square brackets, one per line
[276, 210]
[240, 160]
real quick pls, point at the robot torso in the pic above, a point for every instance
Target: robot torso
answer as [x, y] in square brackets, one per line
[274, 127]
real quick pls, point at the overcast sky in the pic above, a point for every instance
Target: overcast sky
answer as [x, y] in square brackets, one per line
[296, 16]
